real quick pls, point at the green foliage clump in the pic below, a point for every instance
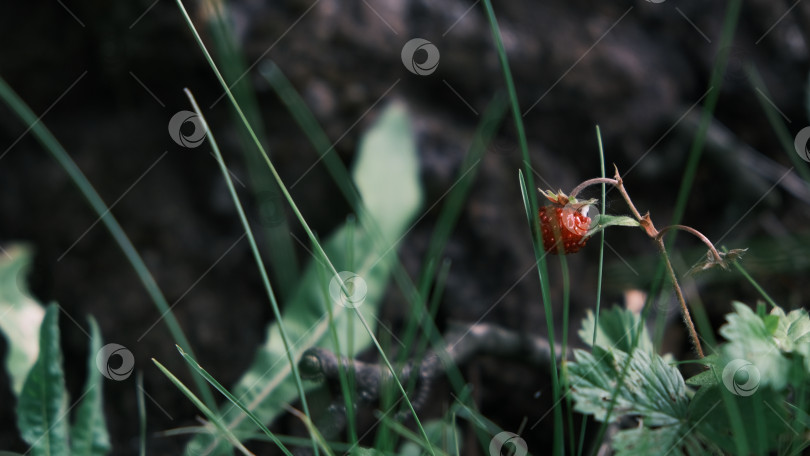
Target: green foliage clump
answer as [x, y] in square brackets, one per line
[751, 397]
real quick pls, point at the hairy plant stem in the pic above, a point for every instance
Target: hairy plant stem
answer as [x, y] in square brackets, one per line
[684, 310]
[658, 236]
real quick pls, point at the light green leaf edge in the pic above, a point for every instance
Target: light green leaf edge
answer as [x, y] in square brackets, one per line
[42, 405]
[20, 315]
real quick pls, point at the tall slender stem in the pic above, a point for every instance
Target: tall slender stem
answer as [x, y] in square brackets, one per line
[685, 310]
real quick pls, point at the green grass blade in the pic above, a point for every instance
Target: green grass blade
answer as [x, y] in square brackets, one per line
[530, 201]
[313, 431]
[233, 399]
[321, 143]
[715, 83]
[602, 237]
[141, 414]
[346, 380]
[317, 137]
[777, 124]
[49, 142]
[267, 383]
[212, 417]
[280, 251]
[285, 338]
[753, 282]
[454, 204]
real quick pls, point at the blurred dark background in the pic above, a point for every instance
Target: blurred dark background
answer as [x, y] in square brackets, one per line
[106, 77]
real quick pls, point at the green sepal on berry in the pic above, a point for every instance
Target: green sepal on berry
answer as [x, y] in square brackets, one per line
[561, 199]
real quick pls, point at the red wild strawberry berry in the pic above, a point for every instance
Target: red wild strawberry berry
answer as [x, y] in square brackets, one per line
[564, 224]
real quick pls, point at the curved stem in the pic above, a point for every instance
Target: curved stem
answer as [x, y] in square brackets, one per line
[594, 181]
[617, 183]
[684, 310]
[695, 233]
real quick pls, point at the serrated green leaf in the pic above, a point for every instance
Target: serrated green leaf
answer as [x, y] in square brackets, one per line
[793, 329]
[21, 315]
[643, 440]
[792, 334]
[652, 389]
[750, 340]
[387, 176]
[88, 435]
[617, 329]
[41, 408]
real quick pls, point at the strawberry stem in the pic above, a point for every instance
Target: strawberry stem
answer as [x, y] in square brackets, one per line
[697, 234]
[685, 310]
[658, 236]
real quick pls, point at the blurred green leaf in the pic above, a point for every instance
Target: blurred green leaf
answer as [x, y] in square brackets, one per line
[764, 418]
[88, 435]
[387, 175]
[793, 333]
[441, 433]
[21, 315]
[750, 339]
[42, 409]
[617, 329]
[668, 440]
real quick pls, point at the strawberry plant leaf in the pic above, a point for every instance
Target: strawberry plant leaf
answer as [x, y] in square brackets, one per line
[652, 389]
[602, 221]
[669, 440]
[617, 329]
[751, 340]
[792, 333]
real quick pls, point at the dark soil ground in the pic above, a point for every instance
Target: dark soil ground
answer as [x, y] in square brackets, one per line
[106, 77]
